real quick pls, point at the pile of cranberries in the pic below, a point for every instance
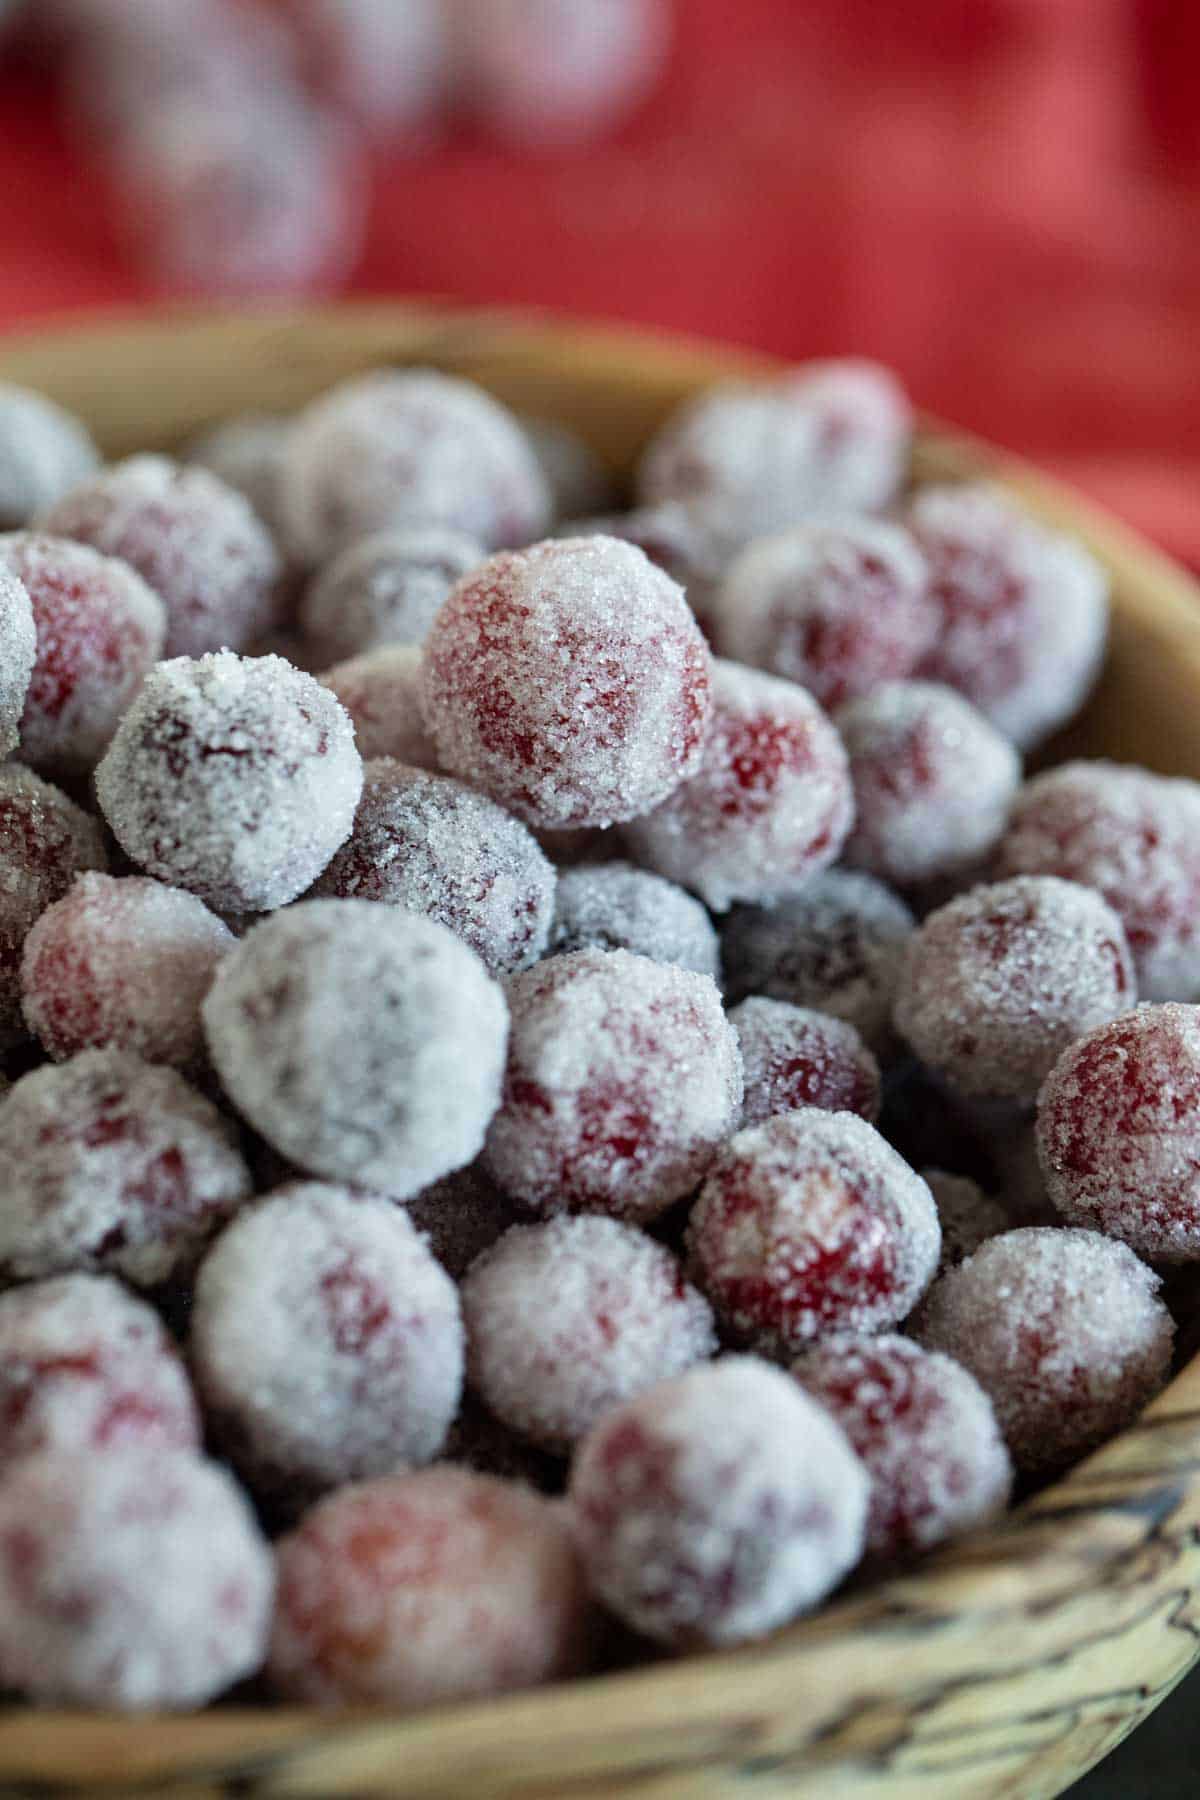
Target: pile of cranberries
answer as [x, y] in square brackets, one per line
[510, 1115]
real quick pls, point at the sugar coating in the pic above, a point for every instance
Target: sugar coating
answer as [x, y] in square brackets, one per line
[435, 847]
[45, 841]
[113, 1164]
[1023, 610]
[995, 985]
[793, 1057]
[364, 1043]
[967, 1215]
[770, 805]
[382, 694]
[191, 538]
[100, 629]
[580, 483]
[122, 962]
[410, 448]
[933, 782]
[839, 606]
[614, 906]
[835, 947]
[85, 1366]
[385, 589]
[1118, 1131]
[414, 1589]
[18, 652]
[385, 66]
[717, 1506]
[233, 777]
[925, 1431]
[326, 1340]
[569, 681]
[569, 1319]
[1063, 1330]
[246, 453]
[44, 452]
[811, 1223]
[129, 1582]
[676, 539]
[460, 1217]
[623, 1080]
[1136, 837]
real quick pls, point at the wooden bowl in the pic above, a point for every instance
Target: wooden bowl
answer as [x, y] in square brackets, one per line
[1008, 1664]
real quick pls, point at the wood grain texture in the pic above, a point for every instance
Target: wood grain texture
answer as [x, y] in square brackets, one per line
[1007, 1665]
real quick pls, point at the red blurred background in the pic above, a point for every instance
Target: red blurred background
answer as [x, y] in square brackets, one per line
[999, 197]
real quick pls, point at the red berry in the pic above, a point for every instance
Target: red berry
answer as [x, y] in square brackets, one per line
[792, 1057]
[381, 692]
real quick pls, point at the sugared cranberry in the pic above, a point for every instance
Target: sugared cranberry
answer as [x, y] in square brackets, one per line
[384, 589]
[18, 652]
[44, 453]
[247, 454]
[382, 694]
[793, 1057]
[385, 66]
[676, 540]
[613, 906]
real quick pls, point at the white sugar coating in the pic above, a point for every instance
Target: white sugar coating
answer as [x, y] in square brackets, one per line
[1062, 1329]
[382, 693]
[460, 1217]
[410, 447]
[624, 1078]
[435, 847]
[326, 1340]
[1024, 611]
[793, 1057]
[569, 681]
[18, 650]
[839, 606]
[770, 805]
[676, 539]
[100, 629]
[580, 482]
[718, 1506]
[246, 453]
[385, 66]
[811, 1223]
[1136, 837]
[385, 589]
[113, 1164]
[233, 777]
[414, 1589]
[194, 540]
[567, 1320]
[995, 985]
[967, 1215]
[925, 1431]
[45, 841]
[934, 782]
[865, 422]
[135, 1581]
[44, 452]
[1118, 1131]
[85, 1366]
[836, 947]
[613, 906]
[364, 1043]
[124, 962]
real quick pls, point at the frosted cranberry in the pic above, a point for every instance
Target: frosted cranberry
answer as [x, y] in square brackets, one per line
[925, 1431]
[717, 1506]
[44, 452]
[968, 1216]
[1023, 611]
[414, 1589]
[18, 652]
[327, 1342]
[770, 805]
[247, 454]
[839, 607]
[113, 1164]
[792, 1057]
[676, 540]
[933, 782]
[1134, 836]
[382, 694]
[385, 66]
[100, 629]
[364, 1043]
[410, 448]
[85, 1366]
[569, 681]
[460, 1217]
[836, 947]
[569, 1319]
[233, 777]
[132, 1581]
[613, 906]
[580, 483]
[1064, 1332]
[997, 984]
[623, 1080]
[45, 841]
[811, 1223]
[385, 589]
[124, 963]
